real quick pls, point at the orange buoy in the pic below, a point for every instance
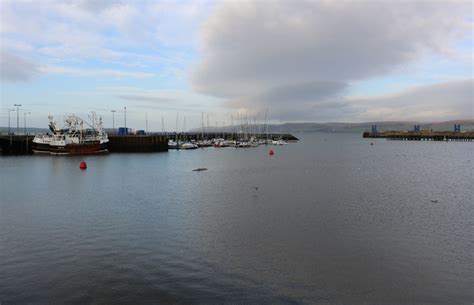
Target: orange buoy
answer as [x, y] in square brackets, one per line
[83, 165]
[271, 152]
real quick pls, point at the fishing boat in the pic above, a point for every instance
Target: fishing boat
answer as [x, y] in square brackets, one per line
[73, 139]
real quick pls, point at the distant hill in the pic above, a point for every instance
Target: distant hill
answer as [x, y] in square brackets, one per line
[348, 127]
[466, 125]
[32, 130]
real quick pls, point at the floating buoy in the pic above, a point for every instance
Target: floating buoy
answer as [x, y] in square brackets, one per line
[271, 152]
[83, 165]
[371, 143]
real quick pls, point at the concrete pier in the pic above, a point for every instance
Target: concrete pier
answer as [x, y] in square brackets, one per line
[138, 143]
[228, 136]
[22, 144]
[422, 135]
[16, 145]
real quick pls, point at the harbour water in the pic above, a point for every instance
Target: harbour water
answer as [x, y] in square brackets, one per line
[328, 220]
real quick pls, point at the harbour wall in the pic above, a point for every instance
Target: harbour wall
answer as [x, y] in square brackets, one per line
[138, 143]
[16, 145]
[422, 135]
[22, 144]
[196, 136]
[156, 142]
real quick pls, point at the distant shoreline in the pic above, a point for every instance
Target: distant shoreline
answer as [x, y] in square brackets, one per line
[466, 125]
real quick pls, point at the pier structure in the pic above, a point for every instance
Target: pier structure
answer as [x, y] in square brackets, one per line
[138, 143]
[22, 144]
[196, 136]
[16, 145]
[423, 135]
[151, 142]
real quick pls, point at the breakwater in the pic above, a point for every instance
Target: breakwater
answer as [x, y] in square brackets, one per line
[138, 143]
[156, 142]
[422, 135]
[22, 144]
[188, 136]
[16, 145]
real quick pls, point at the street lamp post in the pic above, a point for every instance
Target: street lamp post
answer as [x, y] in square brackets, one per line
[17, 118]
[9, 124]
[113, 119]
[125, 119]
[24, 120]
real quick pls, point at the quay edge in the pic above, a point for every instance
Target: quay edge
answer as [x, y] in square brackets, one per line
[22, 144]
[466, 136]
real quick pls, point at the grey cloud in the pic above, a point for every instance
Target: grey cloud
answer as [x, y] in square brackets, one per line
[16, 69]
[298, 57]
[164, 108]
[285, 97]
[300, 101]
[97, 6]
[146, 98]
[442, 101]
[303, 92]
[247, 46]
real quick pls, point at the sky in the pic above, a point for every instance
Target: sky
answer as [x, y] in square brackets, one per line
[302, 61]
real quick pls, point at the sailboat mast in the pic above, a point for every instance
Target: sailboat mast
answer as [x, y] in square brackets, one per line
[177, 122]
[232, 124]
[184, 128]
[202, 125]
[266, 126]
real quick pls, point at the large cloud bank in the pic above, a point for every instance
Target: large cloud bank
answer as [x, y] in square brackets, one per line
[299, 57]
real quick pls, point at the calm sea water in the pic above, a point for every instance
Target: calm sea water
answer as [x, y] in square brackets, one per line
[329, 220]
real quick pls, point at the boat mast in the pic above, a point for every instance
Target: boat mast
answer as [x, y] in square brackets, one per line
[177, 128]
[202, 125]
[184, 129]
[266, 126]
[232, 124]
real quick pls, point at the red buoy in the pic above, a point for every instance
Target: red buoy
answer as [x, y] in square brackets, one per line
[271, 152]
[83, 165]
